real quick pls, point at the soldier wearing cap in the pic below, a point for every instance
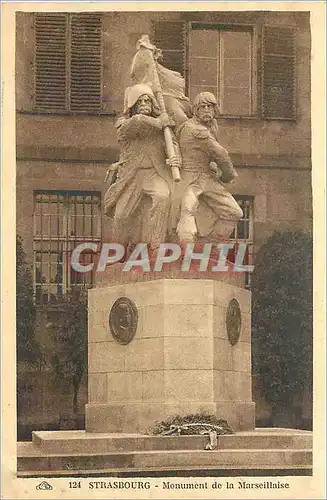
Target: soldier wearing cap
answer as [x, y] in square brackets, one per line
[207, 207]
[139, 199]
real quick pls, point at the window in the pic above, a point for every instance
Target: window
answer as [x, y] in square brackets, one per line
[62, 220]
[220, 61]
[278, 73]
[246, 76]
[244, 232]
[170, 38]
[68, 62]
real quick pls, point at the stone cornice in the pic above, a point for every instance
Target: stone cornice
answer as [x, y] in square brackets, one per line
[109, 155]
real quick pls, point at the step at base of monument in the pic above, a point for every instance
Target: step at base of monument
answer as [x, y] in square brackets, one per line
[86, 442]
[259, 452]
[227, 471]
[165, 460]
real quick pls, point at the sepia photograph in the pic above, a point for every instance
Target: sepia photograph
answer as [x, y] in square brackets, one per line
[164, 243]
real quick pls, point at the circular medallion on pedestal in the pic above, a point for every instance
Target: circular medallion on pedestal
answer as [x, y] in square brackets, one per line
[233, 321]
[123, 320]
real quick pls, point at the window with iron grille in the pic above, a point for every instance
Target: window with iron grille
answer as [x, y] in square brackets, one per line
[244, 232]
[62, 220]
[68, 62]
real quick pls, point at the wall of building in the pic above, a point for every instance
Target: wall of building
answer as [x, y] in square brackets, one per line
[93, 137]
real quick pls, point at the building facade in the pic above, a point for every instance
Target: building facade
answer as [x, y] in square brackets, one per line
[71, 72]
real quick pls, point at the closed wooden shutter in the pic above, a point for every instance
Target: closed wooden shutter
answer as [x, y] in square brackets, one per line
[68, 62]
[86, 66]
[170, 37]
[278, 73]
[50, 62]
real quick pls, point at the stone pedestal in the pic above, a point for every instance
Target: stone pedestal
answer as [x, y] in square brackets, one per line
[180, 360]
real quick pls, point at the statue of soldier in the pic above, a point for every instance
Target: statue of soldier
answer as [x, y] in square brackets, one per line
[207, 207]
[139, 199]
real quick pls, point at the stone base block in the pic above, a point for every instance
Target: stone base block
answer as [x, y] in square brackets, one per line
[141, 417]
[190, 352]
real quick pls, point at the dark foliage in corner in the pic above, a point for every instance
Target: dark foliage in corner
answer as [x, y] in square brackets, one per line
[28, 350]
[70, 359]
[282, 317]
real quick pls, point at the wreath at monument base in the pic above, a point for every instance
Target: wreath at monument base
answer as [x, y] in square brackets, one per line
[194, 424]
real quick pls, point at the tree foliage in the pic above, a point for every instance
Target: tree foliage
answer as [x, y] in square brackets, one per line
[282, 317]
[28, 349]
[70, 359]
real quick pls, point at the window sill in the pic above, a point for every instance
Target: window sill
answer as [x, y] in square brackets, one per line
[115, 113]
[70, 113]
[243, 117]
[53, 306]
[266, 118]
[254, 118]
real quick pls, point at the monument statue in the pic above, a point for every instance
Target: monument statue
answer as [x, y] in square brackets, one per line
[169, 186]
[207, 207]
[142, 172]
[143, 199]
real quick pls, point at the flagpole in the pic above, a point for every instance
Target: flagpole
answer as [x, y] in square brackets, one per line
[166, 130]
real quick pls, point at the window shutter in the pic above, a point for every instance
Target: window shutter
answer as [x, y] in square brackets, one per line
[68, 62]
[86, 62]
[278, 73]
[170, 37]
[50, 61]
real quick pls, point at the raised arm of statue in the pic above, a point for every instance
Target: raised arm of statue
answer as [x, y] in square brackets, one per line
[218, 154]
[137, 125]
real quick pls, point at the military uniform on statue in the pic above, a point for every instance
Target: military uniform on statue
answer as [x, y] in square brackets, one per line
[139, 199]
[207, 208]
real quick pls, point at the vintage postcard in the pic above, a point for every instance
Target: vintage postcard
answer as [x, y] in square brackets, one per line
[163, 230]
